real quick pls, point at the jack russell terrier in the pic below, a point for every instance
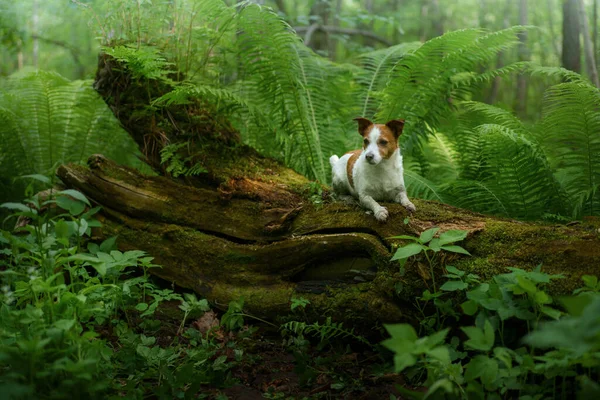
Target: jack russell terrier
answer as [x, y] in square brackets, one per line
[375, 172]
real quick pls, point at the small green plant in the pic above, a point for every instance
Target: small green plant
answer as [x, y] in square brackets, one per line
[77, 317]
[430, 246]
[487, 363]
[176, 164]
[325, 332]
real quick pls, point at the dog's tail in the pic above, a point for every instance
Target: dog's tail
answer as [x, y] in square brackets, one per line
[333, 160]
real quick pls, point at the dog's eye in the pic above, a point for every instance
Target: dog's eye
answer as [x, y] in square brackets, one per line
[366, 142]
[383, 142]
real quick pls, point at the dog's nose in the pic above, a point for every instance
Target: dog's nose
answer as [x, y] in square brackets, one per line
[369, 156]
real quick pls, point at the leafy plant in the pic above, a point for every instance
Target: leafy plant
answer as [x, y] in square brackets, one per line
[485, 369]
[68, 308]
[430, 246]
[46, 119]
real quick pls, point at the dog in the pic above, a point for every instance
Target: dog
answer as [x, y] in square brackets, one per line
[373, 173]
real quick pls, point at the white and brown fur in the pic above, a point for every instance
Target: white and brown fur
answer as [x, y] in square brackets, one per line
[373, 173]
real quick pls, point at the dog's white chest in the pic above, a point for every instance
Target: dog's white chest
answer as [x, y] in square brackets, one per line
[379, 183]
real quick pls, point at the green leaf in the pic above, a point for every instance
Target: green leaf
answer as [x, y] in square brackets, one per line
[441, 354]
[478, 339]
[526, 285]
[64, 324]
[141, 306]
[403, 361]
[76, 195]
[108, 244]
[74, 207]
[401, 331]
[452, 236]
[576, 304]
[100, 268]
[407, 251]
[437, 338]
[454, 270]
[452, 286]
[62, 229]
[590, 280]
[18, 207]
[542, 297]
[482, 367]
[405, 237]
[469, 307]
[434, 244]
[551, 312]
[428, 235]
[37, 177]
[83, 227]
[456, 249]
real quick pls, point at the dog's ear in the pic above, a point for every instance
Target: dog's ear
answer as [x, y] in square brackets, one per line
[363, 124]
[396, 126]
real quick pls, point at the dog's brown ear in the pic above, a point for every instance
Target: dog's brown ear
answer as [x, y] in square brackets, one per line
[396, 126]
[363, 124]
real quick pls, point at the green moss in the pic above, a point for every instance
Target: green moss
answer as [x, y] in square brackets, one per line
[236, 257]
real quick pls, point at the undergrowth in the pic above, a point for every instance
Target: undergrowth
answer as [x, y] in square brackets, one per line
[82, 319]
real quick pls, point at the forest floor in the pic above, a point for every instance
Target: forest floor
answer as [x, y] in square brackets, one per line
[260, 363]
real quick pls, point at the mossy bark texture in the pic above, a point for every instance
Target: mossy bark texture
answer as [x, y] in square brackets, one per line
[249, 227]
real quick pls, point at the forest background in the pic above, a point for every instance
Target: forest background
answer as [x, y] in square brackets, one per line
[502, 112]
[500, 129]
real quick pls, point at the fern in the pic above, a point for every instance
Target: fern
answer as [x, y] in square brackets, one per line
[46, 119]
[569, 134]
[143, 62]
[325, 332]
[176, 165]
[375, 72]
[301, 93]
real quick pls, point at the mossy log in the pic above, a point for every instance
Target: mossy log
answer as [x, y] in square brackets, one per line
[250, 227]
[227, 246]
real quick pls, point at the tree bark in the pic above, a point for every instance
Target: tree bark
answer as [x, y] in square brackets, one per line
[35, 21]
[249, 228]
[571, 46]
[550, 10]
[493, 96]
[590, 58]
[523, 56]
[595, 30]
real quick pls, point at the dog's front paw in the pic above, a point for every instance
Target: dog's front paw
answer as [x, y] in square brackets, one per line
[381, 214]
[410, 207]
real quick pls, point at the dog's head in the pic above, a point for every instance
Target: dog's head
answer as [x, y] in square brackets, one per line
[380, 141]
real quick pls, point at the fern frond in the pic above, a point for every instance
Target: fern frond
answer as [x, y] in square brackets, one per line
[495, 115]
[326, 331]
[143, 62]
[422, 188]
[376, 67]
[518, 173]
[424, 84]
[294, 87]
[570, 135]
[45, 119]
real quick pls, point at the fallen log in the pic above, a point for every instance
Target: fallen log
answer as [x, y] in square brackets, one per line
[249, 227]
[335, 255]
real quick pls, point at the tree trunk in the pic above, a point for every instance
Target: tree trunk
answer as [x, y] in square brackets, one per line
[438, 18]
[500, 60]
[35, 21]
[550, 10]
[571, 46]
[523, 56]
[595, 30]
[590, 58]
[248, 227]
